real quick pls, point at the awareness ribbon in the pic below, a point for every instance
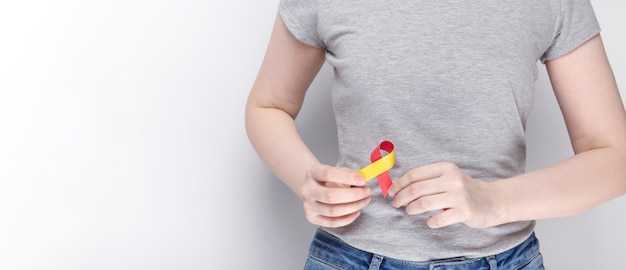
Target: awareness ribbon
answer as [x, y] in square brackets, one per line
[380, 166]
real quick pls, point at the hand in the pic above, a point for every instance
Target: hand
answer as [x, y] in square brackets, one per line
[333, 197]
[444, 186]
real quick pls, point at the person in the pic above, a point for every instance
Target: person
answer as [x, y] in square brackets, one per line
[451, 85]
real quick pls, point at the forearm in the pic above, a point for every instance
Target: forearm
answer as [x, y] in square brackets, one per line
[573, 186]
[275, 137]
[587, 93]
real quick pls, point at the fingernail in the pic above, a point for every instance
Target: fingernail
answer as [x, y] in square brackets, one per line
[360, 180]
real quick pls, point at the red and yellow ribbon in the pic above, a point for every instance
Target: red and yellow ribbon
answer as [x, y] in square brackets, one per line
[380, 166]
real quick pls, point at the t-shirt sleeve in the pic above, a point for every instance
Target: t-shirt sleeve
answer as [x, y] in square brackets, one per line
[577, 24]
[300, 17]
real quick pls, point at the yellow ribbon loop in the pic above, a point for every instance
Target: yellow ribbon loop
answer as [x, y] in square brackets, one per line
[378, 167]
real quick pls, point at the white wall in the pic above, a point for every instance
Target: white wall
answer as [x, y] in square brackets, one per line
[122, 143]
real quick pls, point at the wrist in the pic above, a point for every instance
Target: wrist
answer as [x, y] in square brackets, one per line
[500, 202]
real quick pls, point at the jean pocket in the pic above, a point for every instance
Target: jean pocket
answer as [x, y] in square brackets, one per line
[313, 263]
[535, 263]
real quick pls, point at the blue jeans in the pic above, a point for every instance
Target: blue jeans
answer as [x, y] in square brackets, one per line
[327, 252]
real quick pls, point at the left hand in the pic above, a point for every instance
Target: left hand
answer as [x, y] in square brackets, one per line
[444, 186]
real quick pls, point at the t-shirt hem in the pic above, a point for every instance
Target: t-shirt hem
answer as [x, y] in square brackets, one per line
[572, 47]
[296, 29]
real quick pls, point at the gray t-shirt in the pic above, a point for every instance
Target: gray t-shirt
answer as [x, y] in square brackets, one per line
[444, 81]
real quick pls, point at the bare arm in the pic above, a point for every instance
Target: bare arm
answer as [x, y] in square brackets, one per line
[276, 97]
[587, 93]
[594, 114]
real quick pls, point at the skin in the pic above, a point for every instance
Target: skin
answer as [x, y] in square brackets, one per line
[587, 94]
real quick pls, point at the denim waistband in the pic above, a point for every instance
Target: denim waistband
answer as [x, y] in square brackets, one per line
[332, 252]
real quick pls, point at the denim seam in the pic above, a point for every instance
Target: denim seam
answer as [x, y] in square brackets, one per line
[466, 261]
[534, 256]
[320, 260]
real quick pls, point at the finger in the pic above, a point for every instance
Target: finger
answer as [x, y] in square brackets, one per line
[334, 222]
[339, 210]
[342, 176]
[418, 174]
[335, 185]
[418, 190]
[428, 203]
[339, 195]
[445, 218]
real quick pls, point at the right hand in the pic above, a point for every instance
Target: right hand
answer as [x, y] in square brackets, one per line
[333, 197]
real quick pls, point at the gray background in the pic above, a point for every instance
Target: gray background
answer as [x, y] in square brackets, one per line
[122, 143]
